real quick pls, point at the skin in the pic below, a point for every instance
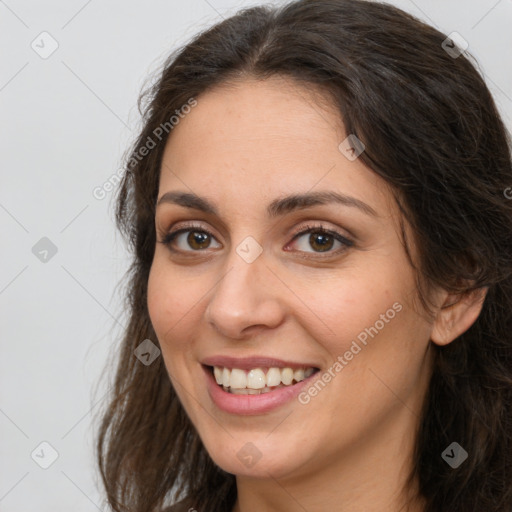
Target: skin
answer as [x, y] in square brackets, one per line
[349, 448]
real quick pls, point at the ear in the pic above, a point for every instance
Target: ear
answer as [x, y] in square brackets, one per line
[457, 314]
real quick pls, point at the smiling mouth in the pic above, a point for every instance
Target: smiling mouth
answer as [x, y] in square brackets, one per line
[259, 380]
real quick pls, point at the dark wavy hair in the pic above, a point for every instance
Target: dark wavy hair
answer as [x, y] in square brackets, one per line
[433, 133]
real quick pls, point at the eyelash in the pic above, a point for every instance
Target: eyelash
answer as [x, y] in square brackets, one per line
[319, 229]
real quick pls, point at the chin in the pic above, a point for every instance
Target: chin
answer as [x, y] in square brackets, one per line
[255, 457]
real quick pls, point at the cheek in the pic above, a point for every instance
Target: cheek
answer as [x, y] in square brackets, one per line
[175, 304]
[341, 309]
[167, 302]
[158, 300]
[167, 307]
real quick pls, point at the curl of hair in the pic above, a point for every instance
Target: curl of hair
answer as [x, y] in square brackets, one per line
[433, 133]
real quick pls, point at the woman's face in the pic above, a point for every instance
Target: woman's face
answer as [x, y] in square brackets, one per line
[251, 281]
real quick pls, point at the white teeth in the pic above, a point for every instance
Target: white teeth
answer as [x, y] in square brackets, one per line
[273, 377]
[249, 391]
[298, 375]
[226, 374]
[217, 371]
[286, 376]
[245, 391]
[239, 379]
[255, 381]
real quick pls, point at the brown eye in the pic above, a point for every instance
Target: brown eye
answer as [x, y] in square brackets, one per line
[196, 239]
[321, 240]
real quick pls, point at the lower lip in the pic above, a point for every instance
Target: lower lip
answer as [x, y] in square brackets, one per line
[251, 404]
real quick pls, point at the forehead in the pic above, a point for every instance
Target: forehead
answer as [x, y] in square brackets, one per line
[250, 141]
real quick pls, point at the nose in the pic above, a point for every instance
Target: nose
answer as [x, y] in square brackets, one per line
[246, 299]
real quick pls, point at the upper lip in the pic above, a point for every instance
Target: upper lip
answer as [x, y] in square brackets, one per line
[248, 363]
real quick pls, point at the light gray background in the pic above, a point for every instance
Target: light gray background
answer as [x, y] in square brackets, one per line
[65, 123]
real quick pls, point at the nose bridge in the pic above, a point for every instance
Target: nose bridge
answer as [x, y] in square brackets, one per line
[243, 297]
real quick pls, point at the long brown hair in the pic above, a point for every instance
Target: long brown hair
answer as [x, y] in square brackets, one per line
[432, 131]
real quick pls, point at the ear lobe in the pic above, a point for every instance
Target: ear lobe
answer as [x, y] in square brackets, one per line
[457, 315]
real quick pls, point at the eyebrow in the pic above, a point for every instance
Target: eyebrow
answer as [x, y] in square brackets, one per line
[276, 208]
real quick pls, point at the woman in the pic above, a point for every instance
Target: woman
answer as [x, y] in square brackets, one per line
[321, 292]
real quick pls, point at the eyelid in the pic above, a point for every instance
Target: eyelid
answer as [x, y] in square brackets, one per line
[169, 236]
[346, 241]
[304, 228]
